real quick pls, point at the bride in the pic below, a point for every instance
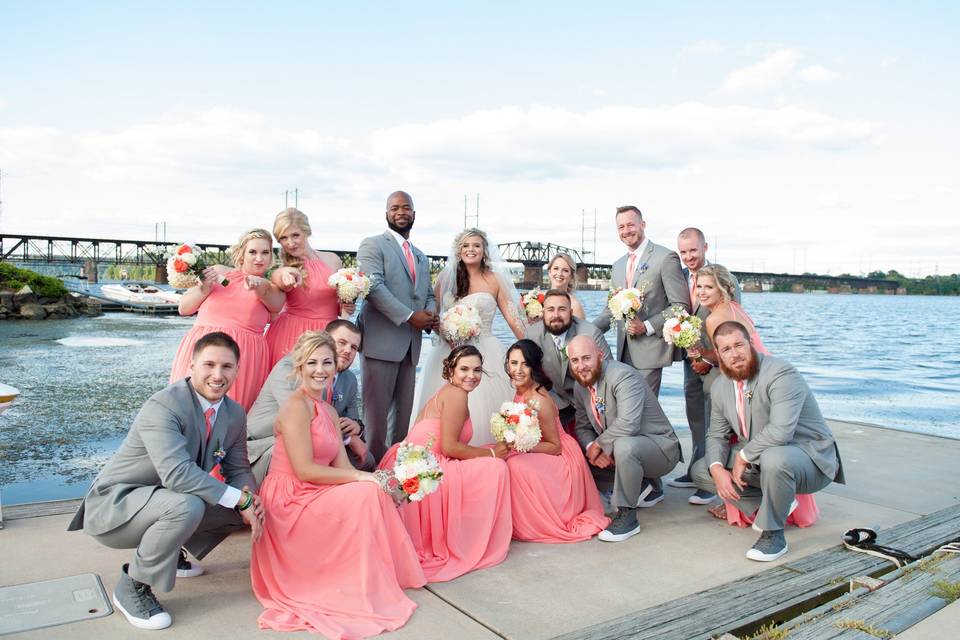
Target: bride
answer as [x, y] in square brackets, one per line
[476, 275]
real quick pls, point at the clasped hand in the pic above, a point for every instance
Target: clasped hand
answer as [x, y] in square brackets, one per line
[729, 481]
[598, 458]
[253, 516]
[424, 319]
[636, 327]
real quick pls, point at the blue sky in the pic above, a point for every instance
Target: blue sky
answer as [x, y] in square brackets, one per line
[799, 137]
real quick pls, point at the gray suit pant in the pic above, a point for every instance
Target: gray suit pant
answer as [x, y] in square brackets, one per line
[387, 385]
[635, 458]
[652, 376]
[698, 412]
[261, 465]
[784, 472]
[168, 521]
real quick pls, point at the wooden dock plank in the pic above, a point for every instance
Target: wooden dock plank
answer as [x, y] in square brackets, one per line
[37, 509]
[755, 598]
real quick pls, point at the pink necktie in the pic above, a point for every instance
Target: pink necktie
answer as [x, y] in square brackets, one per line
[740, 409]
[631, 265]
[693, 290]
[409, 254]
[207, 415]
[593, 405]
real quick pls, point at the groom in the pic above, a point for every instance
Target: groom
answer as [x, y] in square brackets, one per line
[397, 310]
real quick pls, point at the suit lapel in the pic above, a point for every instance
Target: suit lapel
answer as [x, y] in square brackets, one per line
[642, 260]
[199, 423]
[218, 436]
[399, 251]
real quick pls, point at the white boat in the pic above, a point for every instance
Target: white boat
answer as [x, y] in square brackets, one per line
[7, 395]
[140, 293]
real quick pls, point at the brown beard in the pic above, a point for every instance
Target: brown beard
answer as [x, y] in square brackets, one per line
[752, 368]
[594, 376]
[563, 329]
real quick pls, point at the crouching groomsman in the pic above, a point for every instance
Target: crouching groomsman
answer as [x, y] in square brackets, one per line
[623, 431]
[785, 447]
[558, 328]
[156, 494]
[344, 398]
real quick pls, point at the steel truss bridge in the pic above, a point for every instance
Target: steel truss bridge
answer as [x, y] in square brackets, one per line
[94, 252]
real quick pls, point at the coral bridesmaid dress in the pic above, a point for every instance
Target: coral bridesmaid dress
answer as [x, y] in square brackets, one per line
[310, 307]
[465, 524]
[333, 559]
[239, 313]
[554, 498]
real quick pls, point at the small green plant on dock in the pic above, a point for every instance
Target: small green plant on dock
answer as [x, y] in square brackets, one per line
[927, 565]
[946, 590]
[769, 632]
[14, 278]
[861, 625]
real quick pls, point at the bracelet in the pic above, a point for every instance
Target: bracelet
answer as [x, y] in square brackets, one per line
[493, 453]
[245, 504]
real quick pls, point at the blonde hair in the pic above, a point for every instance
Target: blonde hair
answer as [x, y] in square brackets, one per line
[462, 277]
[722, 277]
[237, 250]
[307, 343]
[287, 218]
[572, 285]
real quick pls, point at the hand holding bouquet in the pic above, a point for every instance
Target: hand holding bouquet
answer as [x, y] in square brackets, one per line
[416, 473]
[517, 425]
[185, 268]
[625, 304]
[532, 303]
[460, 323]
[351, 285]
[681, 329]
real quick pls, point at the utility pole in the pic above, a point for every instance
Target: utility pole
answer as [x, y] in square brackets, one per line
[471, 220]
[296, 198]
[587, 230]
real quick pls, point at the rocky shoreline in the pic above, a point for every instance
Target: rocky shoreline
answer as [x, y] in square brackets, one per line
[24, 304]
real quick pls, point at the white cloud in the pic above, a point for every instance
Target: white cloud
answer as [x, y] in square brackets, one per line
[888, 61]
[3, 103]
[771, 72]
[818, 73]
[702, 48]
[833, 200]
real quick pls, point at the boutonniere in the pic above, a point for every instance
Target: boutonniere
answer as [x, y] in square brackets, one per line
[748, 394]
[563, 352]
[643, 267]
[601, 407]
[337, 397]
[219, 454]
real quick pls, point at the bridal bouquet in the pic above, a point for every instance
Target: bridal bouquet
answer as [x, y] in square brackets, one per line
[681, 329]
[351, 285]
[517, 424]
[416, 473]
[460, 323]
[185, 267]
[625, 304]
[532, 303]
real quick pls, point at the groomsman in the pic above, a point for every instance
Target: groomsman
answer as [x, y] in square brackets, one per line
[698, 375]
[397, 310]
[344, 398]
[623, 431]
[656, 270]
[157, 495]
[558, 328]
[785, 447]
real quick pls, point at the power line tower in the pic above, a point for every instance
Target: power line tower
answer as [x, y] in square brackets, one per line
[588, 236]
[471, 219]
[1, 198]
[296, 198]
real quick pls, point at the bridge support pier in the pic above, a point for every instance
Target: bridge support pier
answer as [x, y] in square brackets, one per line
[583, 274]
[90, 271]
[532, 275]
[160, 275]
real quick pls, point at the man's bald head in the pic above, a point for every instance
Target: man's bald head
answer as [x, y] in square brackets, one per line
[584, 356]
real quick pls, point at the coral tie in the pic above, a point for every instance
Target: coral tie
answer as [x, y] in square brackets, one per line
[207, 415]
[410, 263]
[693, 290]
[593, 405]
[740, 409]
[631, 266]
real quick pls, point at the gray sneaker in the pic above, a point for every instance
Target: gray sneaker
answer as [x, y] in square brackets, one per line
[623, 526]
[702, 497]
[769, 546]
[137, 602]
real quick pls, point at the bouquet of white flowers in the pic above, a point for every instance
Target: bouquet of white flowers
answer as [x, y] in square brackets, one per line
[532, 303]
[185, 267]
[416, 473]
[625, 304]
[460, 323]
[517, 424]
[680, 328]
[351, 285]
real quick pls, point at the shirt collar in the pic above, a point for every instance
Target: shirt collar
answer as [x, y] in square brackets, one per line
[399, 238]
[206, 404]
[639, 250]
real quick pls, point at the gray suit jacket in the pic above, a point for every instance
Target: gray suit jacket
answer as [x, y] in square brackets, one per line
[166, 448]
[779, 409]
[392, 298]
[630, 409]
[557, 368]
[275, 391]
[659, 271]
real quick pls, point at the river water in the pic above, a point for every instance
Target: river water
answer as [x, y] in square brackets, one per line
[893, 361]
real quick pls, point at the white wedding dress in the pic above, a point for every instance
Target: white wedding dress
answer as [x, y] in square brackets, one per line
[495, 387]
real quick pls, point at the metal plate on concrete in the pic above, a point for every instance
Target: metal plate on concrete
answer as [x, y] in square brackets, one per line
[36, 605]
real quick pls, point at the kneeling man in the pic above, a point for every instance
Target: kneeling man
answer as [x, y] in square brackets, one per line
[156, 493]
[785, 447]
[623, 431]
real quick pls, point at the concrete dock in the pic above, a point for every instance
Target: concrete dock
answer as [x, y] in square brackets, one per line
[542, 590]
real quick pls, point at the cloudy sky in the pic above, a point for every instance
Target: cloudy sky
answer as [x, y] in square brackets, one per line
[800, 138]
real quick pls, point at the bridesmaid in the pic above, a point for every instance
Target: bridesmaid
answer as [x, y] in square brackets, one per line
[715, 288]
[465, 524]
[562, 274]
[311, 302]
[241, 310]
[334, 557]
[552, 494]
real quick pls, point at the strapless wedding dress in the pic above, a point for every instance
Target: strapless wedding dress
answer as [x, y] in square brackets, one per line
[494, 389]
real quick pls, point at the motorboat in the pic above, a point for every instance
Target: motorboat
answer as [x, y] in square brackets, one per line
[140, 293]
[7, 395]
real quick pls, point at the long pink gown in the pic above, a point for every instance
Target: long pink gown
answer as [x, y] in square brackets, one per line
[807, 510]
[465, 524]
[238, 312]
[309, 307]
[333, 559]
[554, 498]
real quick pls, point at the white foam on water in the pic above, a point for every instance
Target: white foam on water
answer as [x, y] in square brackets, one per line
[94, 341]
